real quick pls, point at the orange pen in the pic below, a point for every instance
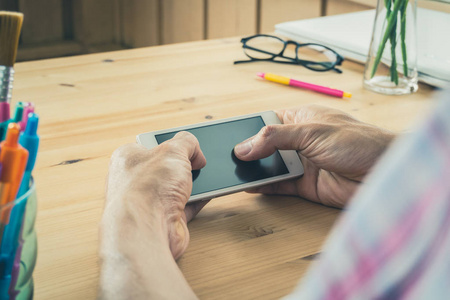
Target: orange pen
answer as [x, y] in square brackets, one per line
[13, 158]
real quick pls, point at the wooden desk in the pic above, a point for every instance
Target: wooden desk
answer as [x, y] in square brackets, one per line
[243, 246]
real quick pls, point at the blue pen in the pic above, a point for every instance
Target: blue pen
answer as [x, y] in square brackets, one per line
[10, 242]
[29, 139]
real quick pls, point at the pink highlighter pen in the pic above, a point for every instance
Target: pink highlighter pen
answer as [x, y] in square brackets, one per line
[28, 108]
[304, 85]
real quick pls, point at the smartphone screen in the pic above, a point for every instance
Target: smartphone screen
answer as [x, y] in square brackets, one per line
[222, 168]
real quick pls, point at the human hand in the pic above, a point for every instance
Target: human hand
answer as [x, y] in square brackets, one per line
[144, 224]
[147, 190]
[337, 151]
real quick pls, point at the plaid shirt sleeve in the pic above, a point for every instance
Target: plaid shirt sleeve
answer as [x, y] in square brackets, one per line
[394, 240]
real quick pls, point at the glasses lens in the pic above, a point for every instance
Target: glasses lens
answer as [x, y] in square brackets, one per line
[263, 47]
[319, 57]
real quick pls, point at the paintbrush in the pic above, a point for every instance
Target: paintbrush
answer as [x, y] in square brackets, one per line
[10, 26]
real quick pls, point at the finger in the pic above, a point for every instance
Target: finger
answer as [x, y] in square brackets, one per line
[307, 184]
[286, 116]
[271, 138]
[188, 144]
[280, 114]
[193, 208]
[304, 186]
[305, 114]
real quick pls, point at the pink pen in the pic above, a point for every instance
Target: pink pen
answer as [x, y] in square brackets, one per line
[28, 108]
[304, 85]
[4, 112]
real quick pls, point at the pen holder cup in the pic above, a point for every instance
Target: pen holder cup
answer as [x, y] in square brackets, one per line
[18, 248]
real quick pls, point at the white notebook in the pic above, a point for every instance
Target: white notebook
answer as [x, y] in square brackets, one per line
[349, 34]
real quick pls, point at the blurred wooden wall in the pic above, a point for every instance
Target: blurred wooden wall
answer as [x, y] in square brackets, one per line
[55, 28]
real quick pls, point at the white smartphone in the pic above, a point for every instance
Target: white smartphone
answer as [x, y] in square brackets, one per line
[224, 173]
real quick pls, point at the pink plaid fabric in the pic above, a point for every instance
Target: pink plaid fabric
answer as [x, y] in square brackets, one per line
[394, 240]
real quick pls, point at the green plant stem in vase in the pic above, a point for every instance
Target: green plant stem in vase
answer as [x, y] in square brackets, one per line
[394, 36]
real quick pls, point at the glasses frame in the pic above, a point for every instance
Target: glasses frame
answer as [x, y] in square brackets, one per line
[290, 60]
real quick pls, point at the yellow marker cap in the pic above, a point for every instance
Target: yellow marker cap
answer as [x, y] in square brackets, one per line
[277, 78]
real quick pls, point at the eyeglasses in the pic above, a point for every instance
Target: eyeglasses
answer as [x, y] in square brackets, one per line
[316, 57]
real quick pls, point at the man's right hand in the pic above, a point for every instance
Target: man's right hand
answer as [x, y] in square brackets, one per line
[337, 151]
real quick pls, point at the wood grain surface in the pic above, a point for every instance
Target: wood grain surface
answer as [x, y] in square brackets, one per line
[243, 246]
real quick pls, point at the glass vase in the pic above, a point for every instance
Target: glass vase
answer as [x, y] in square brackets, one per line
[391, 66]
[18, 246]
